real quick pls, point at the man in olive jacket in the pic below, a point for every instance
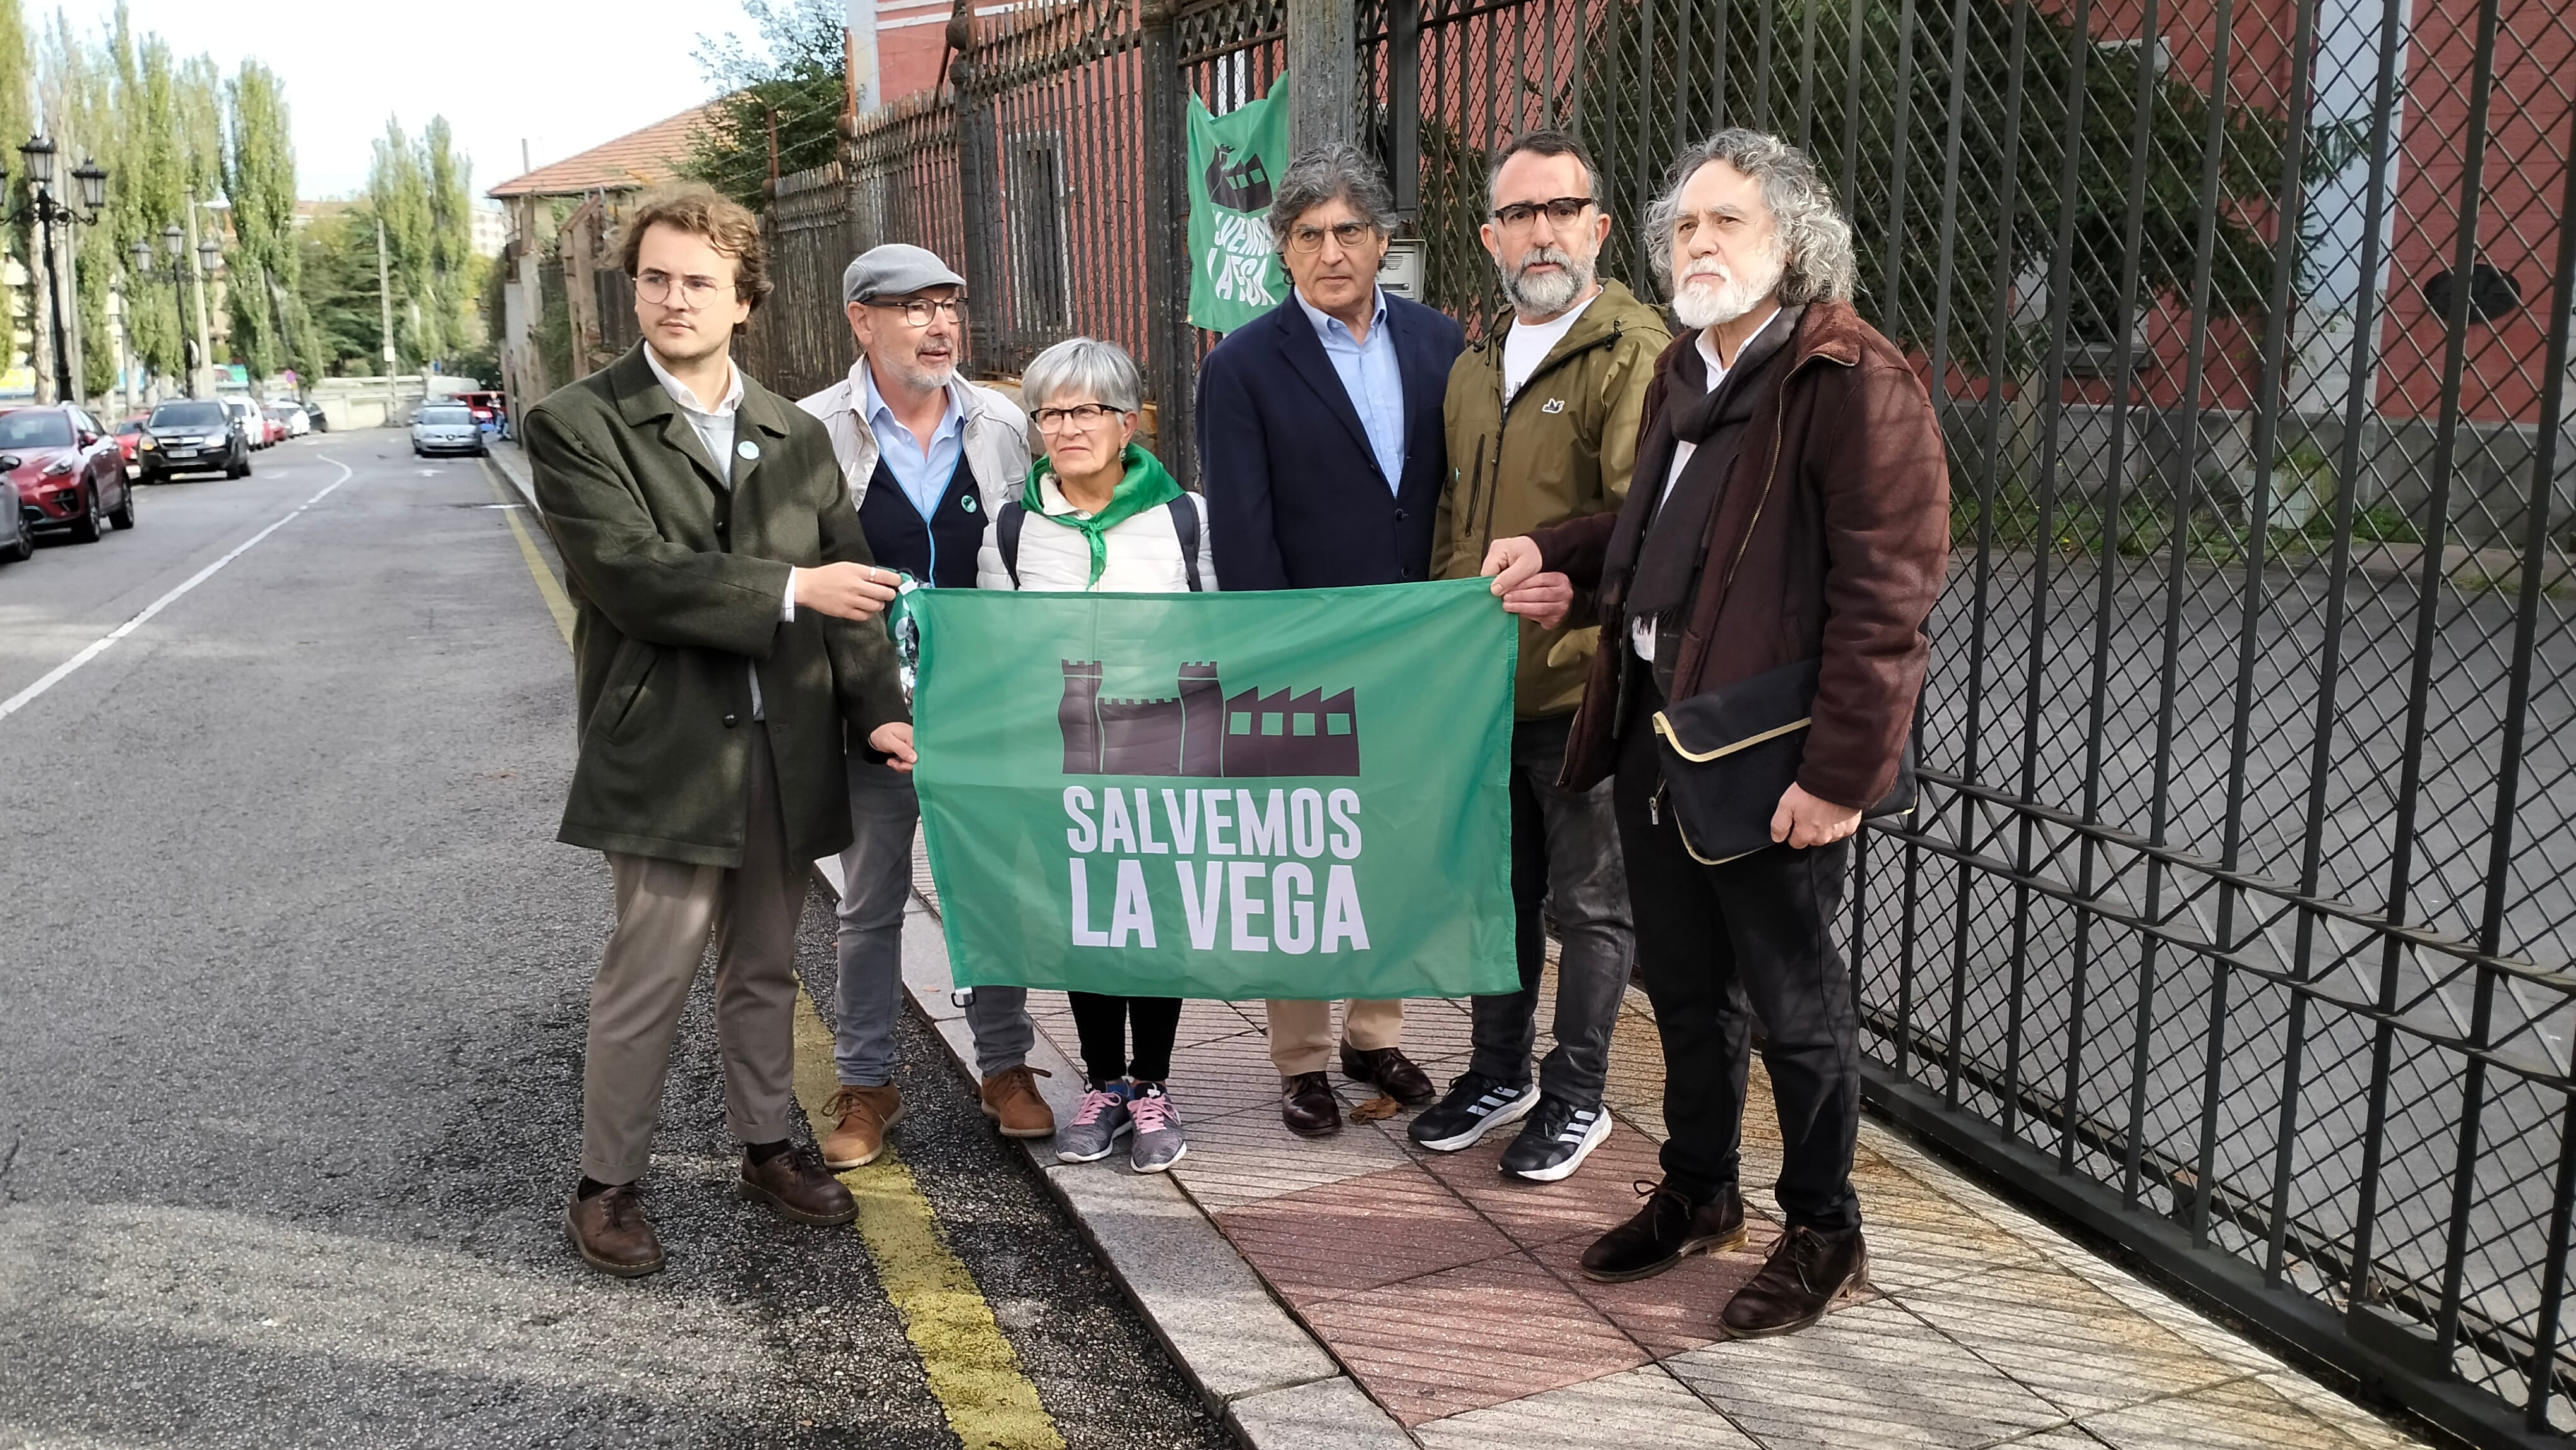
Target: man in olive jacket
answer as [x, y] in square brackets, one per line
[1542, 421]
[723, 640]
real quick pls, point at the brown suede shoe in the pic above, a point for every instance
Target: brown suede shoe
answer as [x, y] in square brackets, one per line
[613, 1234]
[798, 1185]
[1011, 1099]
[1806, 1273]
[863, 1114]
[1308, 1107]
[1663, 1233]
[1392, 1071]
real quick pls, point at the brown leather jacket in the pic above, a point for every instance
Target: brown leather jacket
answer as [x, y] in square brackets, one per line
[1832, 539]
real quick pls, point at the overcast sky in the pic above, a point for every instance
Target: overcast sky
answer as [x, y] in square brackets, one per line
[561, 74]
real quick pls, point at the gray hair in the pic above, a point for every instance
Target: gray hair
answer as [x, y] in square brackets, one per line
[1815, 240]
[1080, 365]
[1547, 141]
[1337, 171]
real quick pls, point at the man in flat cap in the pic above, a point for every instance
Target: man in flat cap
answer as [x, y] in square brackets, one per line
[928, 457]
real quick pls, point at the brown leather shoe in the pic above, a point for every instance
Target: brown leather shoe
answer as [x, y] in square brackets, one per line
[1392, 1071]
[1011, 1099]
[798, 1185]
[613, 1234]
[864, 1114]
[1807, 1272]
[1663, 1233]
[1308, 1107]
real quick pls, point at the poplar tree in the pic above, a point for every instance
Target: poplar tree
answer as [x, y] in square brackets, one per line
[271, 328]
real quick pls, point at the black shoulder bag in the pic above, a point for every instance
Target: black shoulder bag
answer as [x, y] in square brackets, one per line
[1730, 754]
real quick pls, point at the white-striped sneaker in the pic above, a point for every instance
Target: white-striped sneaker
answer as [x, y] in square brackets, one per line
[1555, 1140]
[1475, 1105]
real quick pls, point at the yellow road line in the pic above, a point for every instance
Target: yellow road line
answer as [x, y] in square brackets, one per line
[557, 601]
[971, 1367]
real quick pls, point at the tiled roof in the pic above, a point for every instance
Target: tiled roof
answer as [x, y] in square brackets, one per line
[633, 161]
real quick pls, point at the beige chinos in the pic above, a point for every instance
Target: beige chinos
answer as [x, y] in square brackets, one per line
[665, 911]
[1301, 1033]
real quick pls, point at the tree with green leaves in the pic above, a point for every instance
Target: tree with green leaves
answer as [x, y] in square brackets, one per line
[270, 326]
[780, 106]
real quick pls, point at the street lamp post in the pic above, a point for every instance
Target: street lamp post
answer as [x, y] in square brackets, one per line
[48, 211]
[175, 272]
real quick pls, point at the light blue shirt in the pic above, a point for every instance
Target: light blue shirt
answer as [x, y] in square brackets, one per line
[1371, 377]
[922, 473]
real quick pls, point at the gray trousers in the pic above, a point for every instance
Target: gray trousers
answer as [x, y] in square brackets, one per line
[876, 882]
[665, 909]
[1565, 859]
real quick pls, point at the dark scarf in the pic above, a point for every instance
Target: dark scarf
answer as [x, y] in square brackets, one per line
[1676, 529]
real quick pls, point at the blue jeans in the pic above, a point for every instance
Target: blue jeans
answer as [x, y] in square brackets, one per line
[876, 881]
[1565, 857]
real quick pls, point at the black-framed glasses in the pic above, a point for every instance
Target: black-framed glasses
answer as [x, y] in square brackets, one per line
[1308, 239]
[657, 287]
[1080, 415]
[1563, 210]
[919, 310]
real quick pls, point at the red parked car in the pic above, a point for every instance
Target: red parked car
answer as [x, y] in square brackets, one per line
[128, 435]
[70, 475]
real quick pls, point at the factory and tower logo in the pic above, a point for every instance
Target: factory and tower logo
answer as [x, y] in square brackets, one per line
[1202, 732]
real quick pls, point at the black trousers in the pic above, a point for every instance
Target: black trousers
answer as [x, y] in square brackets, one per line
[1718, 945]
[1101, 1023]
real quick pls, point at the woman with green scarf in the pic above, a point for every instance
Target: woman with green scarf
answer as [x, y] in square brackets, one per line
[1099, 513]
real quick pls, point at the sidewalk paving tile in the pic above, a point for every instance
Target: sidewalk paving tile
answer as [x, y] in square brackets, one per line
[1869, 1376]
[1598, 1197]
[1465, 1338]
[2079, 1347]
[1331, 1414]
[2245, 1414]
[1243, 1158]
[1673, 1312]
[1626, 1411]
[1360, 1233]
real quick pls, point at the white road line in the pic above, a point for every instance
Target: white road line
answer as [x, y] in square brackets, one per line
[99, 646]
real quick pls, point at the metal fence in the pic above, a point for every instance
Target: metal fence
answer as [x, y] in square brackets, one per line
[2237, 920]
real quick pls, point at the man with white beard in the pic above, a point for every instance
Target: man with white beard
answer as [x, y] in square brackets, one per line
[1782, 565]
[1542, 419]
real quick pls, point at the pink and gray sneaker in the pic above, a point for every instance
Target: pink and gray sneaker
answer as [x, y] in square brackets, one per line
[1098, 1124]
[1158, 1143]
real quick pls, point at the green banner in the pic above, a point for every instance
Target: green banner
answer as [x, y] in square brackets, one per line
[1221, 795]
[1235, 274]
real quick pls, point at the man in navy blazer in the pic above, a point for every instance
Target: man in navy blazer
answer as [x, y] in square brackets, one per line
[1320, 436]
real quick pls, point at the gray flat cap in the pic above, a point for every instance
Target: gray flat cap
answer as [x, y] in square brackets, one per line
[896, 269]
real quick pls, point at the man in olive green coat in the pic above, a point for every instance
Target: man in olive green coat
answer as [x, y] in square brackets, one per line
[1542, 418]
[724, 638]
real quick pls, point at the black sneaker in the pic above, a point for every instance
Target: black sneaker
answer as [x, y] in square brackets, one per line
[1556, 1140]
[1475, 1106]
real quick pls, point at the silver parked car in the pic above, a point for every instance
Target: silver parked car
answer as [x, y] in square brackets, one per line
[445, 428]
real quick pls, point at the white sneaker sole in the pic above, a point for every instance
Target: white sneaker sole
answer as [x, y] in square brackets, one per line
[1163, 1166]
[1066, 1156]
[1511, 1112]
[1554, 1172]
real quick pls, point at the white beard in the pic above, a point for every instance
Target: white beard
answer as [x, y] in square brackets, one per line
[1731, 298]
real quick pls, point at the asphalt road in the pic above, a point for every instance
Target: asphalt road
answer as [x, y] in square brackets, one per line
[294, 978]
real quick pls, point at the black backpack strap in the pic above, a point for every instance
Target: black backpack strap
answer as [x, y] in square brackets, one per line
[1006, 530]
[1185, 526]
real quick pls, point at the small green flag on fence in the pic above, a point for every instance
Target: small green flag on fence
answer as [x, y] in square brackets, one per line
[1221, 795]
[1235, 274]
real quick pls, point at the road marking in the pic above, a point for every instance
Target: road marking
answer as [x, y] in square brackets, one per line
[970, 1366]
[557, 602]
[97, 647]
